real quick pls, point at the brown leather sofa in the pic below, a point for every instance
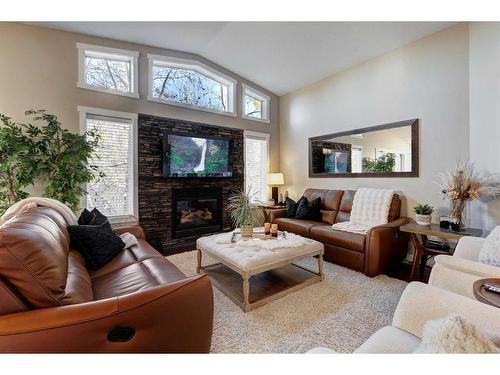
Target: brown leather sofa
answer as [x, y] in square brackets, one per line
[371, 254]
[138, 302]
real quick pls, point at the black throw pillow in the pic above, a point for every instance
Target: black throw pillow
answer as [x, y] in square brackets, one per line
[291, 206]
[94, 217]
[309, 211]
[97, 243]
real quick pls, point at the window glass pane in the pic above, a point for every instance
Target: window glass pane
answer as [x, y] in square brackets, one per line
[108, 73]
[189, 87]
[256, 167]
[112, 194]
[253, 107]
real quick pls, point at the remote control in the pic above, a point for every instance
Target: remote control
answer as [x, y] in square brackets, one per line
[492, 288]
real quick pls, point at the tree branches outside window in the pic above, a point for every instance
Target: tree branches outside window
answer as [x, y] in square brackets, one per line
[189, 87]
[108, 74]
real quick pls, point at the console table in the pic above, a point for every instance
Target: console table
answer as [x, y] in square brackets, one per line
[418, 235]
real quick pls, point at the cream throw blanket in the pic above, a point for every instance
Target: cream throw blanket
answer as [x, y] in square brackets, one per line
[27, 204]
[370, 207]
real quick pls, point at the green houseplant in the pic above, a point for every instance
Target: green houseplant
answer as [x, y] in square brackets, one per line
[423, 214]
[243, 212]
[45, 151]
[384, 163]
[64, 158]
[17, 165]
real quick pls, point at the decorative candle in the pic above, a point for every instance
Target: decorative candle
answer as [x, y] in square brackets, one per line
[274, 230]
[267, 228]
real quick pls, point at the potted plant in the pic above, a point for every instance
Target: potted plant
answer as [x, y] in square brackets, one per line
[423, 214]
[243, 212]
[45, 152]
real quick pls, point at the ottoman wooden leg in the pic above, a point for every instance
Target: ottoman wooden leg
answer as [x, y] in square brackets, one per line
[246, 292]
[320, 266]
[198, 267]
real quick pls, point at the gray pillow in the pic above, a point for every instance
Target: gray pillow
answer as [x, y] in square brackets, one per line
[490, 252]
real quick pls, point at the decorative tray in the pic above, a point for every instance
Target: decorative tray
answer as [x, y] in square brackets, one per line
[257, 235]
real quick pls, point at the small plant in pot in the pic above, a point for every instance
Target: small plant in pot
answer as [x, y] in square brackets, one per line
[423, 214]
[243, 212]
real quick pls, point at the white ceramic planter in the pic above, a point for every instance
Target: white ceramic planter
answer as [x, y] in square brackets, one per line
[423, 219]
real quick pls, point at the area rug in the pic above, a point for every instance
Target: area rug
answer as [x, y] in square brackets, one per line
[340, 313]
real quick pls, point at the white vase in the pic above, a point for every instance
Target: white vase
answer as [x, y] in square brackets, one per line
[423, 219]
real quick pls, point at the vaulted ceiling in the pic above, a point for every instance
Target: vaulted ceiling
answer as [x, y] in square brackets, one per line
[279, 56]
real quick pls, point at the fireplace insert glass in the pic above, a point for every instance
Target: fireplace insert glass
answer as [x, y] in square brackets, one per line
[196, 211]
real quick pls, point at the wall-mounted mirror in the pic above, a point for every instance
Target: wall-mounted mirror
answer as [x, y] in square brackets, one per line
[389, 150]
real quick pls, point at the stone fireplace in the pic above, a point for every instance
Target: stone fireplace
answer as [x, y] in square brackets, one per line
[196, 211]
[158, 210]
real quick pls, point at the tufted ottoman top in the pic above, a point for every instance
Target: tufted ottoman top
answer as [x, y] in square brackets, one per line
[251, 254]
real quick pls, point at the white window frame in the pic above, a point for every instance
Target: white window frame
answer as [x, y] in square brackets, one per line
[267, 137]
[131, 56]
[197, 66]
[266, 103]
[131, 219]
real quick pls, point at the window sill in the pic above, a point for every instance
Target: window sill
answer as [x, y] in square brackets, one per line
[190, 106]
[106, 91]
[123, 221]
[266, 121]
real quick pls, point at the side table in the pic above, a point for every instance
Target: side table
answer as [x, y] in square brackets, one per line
[418, 235]
[267, 208]
[485, 296]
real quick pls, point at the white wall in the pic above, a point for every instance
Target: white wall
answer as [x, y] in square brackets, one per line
[485, 112]
[428, 79]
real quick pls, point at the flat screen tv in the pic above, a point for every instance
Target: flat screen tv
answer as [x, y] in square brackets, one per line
[196, 156]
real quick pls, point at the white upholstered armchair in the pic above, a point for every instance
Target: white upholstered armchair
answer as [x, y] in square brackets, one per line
[457, 273]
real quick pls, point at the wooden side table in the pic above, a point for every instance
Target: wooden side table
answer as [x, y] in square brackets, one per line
[483, 295]
[267, 208]
[418, 235]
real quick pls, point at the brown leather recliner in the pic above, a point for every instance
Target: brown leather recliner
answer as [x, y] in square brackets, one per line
[371, 254]
[138, 302]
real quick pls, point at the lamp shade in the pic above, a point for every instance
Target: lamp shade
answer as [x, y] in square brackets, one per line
[275, 179]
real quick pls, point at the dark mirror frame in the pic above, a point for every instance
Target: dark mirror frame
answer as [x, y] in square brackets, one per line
[414, 150]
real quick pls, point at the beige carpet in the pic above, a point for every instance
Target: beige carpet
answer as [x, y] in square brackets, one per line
[339, 313]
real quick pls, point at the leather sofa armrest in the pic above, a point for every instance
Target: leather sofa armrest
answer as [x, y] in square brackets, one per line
[136, 230]
[385, 244]
[276, 214]
[170, 318]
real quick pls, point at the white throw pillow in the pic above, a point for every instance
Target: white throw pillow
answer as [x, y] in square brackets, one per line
[455, 335]
[490, 252]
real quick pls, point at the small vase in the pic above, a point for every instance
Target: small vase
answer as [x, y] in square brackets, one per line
[423, 219]
[457, 213]
[246, 230]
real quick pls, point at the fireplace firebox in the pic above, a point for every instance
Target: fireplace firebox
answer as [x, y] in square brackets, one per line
[196, 211]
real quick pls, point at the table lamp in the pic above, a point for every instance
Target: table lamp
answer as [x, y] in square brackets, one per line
[275, 180]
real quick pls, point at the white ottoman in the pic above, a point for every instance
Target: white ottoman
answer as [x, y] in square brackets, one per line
[269, 262]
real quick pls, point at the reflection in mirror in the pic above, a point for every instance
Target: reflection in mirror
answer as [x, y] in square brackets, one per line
[386, 149]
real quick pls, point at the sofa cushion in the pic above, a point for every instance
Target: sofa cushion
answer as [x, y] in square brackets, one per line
[345, 206]
[97, 243]
[325, 233]
[137, 276]
[291, 206]
[78, 285]
[309, 210]
[131, 255]
[330, 201]
[34, 256]
[300, 227]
